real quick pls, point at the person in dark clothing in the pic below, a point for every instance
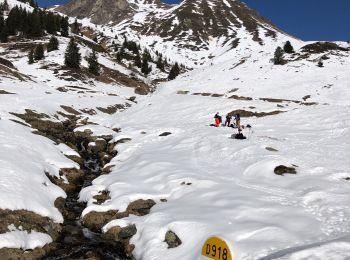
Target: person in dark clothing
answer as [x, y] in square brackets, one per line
[228, 120]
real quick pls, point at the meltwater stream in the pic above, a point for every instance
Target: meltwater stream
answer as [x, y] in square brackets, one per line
[76, 241]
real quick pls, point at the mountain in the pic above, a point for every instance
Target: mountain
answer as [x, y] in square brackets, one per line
[194, 32]
[125, 164]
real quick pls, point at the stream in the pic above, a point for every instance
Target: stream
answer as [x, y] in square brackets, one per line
[76, 241]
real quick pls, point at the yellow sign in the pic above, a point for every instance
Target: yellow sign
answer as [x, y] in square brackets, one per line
[217, 249]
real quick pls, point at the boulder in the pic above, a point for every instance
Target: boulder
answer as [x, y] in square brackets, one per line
[172, 239]
[281, 170]
[140, 207]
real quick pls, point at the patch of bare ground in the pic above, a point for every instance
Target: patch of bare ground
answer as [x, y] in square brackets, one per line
[7, 63]
[14, 253]
[182, 92]
[71, 110]
[320, 47]
[279, 100]
[240, 98]
[111, 109]
[202, 94]
[245, 113]
[109, 76]
[12, 73]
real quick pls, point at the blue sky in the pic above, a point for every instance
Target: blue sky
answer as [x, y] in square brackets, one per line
[306, 19]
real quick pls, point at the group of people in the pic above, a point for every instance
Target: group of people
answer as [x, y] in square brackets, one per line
[237, 118]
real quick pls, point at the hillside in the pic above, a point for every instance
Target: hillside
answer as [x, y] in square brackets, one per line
[193, 33]
[126, 164]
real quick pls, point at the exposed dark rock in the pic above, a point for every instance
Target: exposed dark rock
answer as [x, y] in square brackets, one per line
[140, 207]
[96, 220]
[165, 134]
[102, 197]
[281, 170]
[4, 92]
[111, 109]
[172, 239]
[271, 149]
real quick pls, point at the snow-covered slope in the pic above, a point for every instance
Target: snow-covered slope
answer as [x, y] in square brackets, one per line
[215, 185]
[161, 147]
[193, 33]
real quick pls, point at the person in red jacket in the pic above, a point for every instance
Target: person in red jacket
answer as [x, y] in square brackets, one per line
[217, 119]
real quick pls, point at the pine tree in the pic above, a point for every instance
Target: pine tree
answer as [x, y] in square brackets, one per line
[72, 57]
[137, 61]
[174, 72]
[288, 48]
[146, 55]
[64, 24]
[278, 57]
[160, 64]
[76, 27]
[31, 57]
[94, 66]
[3, 34]
[3, 29]
[39, 52]
[36, 29]
[145, 68]
[6, 6]
[53, 44]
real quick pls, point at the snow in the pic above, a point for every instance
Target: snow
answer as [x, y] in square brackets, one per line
[218, 186]
[24, 240]
[213, 185]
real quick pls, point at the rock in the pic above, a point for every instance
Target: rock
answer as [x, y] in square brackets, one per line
[271, 149]
[102, 197]
[60, 204]
[73, 175]
[123, 141]
[172, 239]
[107, 169]
[76, 159]
[165, 134]
[118, 233]
[281, 170]
[163, 200]
[127, 232]
[140, 207]
[96, 220]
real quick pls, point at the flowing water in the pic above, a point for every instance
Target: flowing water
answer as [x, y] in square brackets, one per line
[76, 241]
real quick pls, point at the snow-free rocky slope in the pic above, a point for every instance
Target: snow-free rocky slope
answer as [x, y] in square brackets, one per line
[152, 163]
